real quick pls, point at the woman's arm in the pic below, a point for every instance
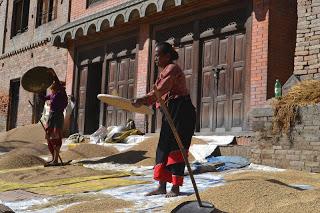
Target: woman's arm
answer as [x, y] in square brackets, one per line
[44, 97]
[163, 85]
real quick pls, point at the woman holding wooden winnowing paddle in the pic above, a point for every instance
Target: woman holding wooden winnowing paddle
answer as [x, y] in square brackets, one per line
[58, 102]
[171, 84]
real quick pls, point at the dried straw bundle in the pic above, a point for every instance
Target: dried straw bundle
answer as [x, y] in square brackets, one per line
[285, 109]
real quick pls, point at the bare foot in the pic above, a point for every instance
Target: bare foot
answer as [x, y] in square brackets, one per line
[47, 163]
[52, 163]
[159, 191]
[175, 191]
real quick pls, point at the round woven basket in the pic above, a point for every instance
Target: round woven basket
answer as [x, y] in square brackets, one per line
[37, 79]
[124, 104]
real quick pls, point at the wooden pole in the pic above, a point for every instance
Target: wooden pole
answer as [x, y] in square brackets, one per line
[181, 147]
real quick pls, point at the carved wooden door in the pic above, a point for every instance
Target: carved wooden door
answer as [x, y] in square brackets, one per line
[222, 83]
[121, 80]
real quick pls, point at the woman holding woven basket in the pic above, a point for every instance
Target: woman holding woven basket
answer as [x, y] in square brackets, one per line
[171, 84]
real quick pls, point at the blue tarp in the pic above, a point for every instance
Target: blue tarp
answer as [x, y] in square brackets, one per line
[228, 162]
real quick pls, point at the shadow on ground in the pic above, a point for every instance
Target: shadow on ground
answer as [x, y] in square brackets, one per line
[130, 157]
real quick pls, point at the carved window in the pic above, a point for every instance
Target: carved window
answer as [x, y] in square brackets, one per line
[20, 16]
[46, 11]
[91, 2]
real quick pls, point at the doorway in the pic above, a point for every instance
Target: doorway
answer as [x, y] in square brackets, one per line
[13, 103]
[89, 105]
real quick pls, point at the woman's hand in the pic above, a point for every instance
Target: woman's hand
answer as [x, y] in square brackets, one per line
[137, 102]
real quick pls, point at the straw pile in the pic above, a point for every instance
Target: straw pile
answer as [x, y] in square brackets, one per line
[85, 151]
[19, 160]
[285, 109]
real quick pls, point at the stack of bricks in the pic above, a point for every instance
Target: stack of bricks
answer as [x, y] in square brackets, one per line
[299, 150]
[307, 59]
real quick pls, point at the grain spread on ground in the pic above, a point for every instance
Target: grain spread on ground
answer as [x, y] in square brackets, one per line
[262, 192]
[99, 205]
[84, 151]
[142, 154]
[19, 160]
[29, 134]
[43, 174]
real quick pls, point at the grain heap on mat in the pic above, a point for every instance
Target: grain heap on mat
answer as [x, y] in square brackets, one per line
[43, 174]
[19, 160]
[67, 200]
[84, 151]
[28, 134]
[262, 192]
[285, 109]
[39, 149]
[27, 139]
[142, 154]
[99, 205]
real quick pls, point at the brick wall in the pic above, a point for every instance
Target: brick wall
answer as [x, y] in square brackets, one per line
[259, 52]
[2, 23]
[22, 52]
[142, 69]
[70, 69]
[300, 150]
[80, 10]
[33, 34]
[282, 42]
[307, 64]
[16, 65]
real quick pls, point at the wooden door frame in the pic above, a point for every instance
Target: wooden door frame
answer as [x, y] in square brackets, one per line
[118, 59]
[81, 46]
[8, 126]
[196, 17]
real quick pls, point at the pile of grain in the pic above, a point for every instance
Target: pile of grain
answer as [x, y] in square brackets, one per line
[84, 151]
[19, 160]
[27, 139]
[39, 149]
[67, 200]
[259, 196]
[262, 192]
[28, 134]
[286, 177]
[142, 154]
[99, 205]
[285, 109]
